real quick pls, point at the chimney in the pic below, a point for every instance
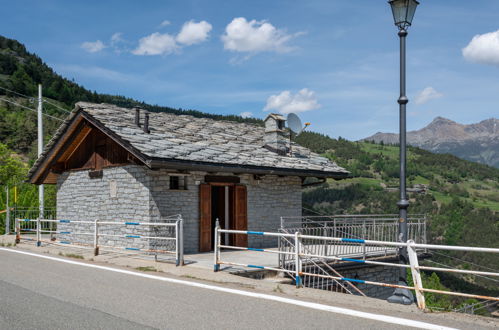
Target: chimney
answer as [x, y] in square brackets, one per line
[137, 117]
[276, 136]
[146, 123]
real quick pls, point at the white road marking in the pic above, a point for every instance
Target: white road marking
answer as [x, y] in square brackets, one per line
[316, 306]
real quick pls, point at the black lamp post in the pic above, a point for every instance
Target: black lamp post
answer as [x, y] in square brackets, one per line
[403, 12]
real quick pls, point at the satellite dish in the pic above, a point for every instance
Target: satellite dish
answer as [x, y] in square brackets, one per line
[294, 123]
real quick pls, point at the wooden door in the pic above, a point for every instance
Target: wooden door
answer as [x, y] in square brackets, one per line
[240, 215]
[205, 232]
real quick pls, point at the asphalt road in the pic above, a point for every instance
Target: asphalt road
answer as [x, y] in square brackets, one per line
[37, 293]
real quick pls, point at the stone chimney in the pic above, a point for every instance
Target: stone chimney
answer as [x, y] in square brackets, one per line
[276, 137]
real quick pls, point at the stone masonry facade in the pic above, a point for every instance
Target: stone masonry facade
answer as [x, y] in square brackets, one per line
[136, 193]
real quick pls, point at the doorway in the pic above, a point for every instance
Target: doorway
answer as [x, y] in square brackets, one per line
[228, 203]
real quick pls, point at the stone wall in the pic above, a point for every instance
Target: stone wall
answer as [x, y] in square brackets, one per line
[120, 195]
[382, 274]
[269, 199]
[135, 193]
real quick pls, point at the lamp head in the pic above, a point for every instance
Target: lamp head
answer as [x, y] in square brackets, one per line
[403, 12]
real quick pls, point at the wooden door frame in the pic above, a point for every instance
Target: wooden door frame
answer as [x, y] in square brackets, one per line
[239, 240]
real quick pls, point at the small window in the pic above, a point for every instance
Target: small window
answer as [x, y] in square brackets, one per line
[280, 124]
[178, 183]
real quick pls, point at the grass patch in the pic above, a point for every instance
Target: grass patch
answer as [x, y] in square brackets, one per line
[385, 150]
[71, 255]
[146, 269]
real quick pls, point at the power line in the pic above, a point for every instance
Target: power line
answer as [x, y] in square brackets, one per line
[20, 94]
[462, 260]
[55, 105]
[34, 99]
[449, 267]
[25, 107]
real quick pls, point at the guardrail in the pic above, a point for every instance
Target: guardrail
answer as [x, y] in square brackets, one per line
[131, 236]
[299, 254]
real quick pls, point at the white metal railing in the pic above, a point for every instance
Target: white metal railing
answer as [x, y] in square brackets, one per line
[372, 227]
[164, 237]
[299, 255]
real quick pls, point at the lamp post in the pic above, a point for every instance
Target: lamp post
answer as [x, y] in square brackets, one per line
[403, 12]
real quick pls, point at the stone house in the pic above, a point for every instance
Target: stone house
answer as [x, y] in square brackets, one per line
[117, 164]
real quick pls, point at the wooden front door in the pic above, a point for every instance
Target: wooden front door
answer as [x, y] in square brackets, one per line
[240, 215]
[205, 218]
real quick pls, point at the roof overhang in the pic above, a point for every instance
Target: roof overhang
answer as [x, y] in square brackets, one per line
[156, 163]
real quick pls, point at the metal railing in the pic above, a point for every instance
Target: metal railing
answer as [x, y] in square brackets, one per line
[374, 227]
[164, 237]
[371, 227]
[26, 213]
[299, 255]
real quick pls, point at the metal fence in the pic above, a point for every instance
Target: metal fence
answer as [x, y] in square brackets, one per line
[165, 237]
[299, 255]
[372, 227]
[26, 213]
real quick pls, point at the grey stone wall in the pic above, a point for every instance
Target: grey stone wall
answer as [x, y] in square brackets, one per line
[141, 194]
[120, 195]
[269, 199]
[382, 274]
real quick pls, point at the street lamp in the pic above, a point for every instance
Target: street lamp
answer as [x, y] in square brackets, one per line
[403, 12]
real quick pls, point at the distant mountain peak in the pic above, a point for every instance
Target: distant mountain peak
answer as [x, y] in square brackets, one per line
[441, 120]
[476, 142]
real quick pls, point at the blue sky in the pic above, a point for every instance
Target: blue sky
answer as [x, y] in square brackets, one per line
[334, 61]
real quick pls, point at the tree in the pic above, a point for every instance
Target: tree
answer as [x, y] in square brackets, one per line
[12, 170]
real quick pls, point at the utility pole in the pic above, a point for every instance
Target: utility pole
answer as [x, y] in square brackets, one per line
[41, 198]
[7, 212]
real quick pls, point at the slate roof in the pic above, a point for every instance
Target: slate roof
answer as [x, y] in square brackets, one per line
[199, 140]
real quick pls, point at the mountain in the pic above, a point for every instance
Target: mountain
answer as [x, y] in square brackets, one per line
[475, 142]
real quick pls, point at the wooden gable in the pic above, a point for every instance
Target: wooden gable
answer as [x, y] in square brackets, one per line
[88, 148]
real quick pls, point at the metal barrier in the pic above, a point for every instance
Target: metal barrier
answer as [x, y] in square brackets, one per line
[140, 237]
[299, 254]
[372, 227]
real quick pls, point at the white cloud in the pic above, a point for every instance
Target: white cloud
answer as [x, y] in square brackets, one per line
[285, 102]
[156, 44]
[246, 114]
[117, 37]
[254, 36]
[483, 48]
[93, 47]
[427, 94]
[193, 33]
[165, 23]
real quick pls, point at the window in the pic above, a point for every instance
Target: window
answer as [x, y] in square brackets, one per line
[178, 182]
[280, 124]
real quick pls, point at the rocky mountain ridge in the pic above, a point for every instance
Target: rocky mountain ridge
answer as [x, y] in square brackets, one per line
[477, 142]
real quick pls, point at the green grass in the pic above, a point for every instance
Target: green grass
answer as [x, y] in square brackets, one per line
[390, 151]
[71, 255]
[146, 269]
[420, 180]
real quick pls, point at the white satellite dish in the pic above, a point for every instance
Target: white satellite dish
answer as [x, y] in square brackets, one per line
[294, 123]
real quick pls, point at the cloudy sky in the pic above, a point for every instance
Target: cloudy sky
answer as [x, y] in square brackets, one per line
[335, 62]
